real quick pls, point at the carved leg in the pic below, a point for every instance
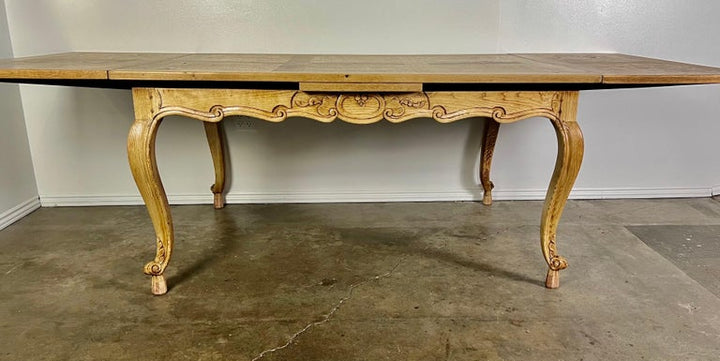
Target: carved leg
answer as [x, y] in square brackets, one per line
[216, 140]
[567, 166]
[488, 147]
[141, 155]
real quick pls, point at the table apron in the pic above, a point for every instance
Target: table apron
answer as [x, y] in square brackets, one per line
[212, 105]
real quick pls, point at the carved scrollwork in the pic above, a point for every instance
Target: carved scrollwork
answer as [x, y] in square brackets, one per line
[359, 108]
[219, 112]
[157, 266]
[320, 107]
[504, 107]
[367, 108]
[406, 106]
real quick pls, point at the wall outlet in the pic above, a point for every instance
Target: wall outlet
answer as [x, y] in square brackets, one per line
[243, 124]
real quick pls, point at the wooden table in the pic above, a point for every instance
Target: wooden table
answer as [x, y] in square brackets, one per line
[359, 89]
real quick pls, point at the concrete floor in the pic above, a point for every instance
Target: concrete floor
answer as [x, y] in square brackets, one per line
[409, 281]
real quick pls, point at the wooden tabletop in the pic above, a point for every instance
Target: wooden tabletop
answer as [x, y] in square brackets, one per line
[364, 72]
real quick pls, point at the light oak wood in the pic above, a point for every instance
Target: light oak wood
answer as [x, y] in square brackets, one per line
[567, 166]
[212, 105]
[552, 279]
[361, 87]
[483, 68]
[486, 153]
[331, 72]
[75, 65]
[628, 69]
[158, 285]
[216, 140]
[143, 165]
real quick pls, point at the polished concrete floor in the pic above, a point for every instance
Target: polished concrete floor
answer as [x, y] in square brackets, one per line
[398, 281]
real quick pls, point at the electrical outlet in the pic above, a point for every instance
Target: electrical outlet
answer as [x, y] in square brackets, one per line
[243, 124]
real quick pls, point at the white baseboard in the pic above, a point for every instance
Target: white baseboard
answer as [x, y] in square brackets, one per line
[116, 200]
[629, 193]
[21, 210]
[715, 190]
[377, 196]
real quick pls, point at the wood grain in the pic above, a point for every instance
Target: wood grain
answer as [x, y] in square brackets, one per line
[481, 68]
[75, 65]
[628, 69]
[325, 72]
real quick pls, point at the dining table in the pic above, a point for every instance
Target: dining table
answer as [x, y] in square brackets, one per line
[357, 89]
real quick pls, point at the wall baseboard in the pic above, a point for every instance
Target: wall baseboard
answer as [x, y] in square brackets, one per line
[378, 196]
[715, 190]
[21, 210]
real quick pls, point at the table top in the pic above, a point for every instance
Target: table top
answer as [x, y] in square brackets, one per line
[355, 72]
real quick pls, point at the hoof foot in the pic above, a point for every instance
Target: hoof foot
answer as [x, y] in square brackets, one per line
[159, 287]
[553, 279]
[219, 201]
[487, 198]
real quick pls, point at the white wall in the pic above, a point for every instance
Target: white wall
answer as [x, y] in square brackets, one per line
[640, 139]
[655, 142]
[18, 192]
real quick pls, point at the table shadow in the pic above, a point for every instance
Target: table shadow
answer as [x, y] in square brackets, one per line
[227, 233]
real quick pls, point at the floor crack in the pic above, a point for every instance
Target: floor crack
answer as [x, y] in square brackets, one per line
[13, 268]
[332, 312]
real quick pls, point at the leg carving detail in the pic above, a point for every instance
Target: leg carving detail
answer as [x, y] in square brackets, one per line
[487, 150]
[567, 166]
[216, 141]
[141, 156]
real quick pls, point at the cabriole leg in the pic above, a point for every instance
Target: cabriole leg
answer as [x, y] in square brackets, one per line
[487, 149]
[567, 166]
[216, 141]
[141, 155]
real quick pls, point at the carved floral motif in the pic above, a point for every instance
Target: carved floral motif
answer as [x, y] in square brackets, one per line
[361, 99]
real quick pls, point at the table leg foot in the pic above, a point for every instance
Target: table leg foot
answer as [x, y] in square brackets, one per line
[159, 286]
[218, 200]
[553, 279]
[487, 198]
[486, 153]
